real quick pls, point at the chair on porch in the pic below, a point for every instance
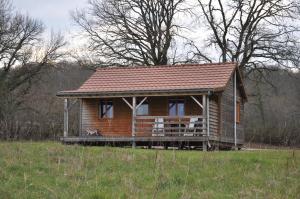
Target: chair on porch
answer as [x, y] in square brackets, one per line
[93, 132]
[158, 127]
[190, 128]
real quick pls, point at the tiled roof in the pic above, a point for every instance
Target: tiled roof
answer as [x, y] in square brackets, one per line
[158, 78]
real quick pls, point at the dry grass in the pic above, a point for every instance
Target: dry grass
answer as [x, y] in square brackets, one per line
[52, 170]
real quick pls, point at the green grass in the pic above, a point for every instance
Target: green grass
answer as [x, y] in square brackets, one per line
[53, 170]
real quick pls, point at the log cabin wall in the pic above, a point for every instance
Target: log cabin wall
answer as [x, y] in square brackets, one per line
[227, 113]
[214, 115]
[120, 124]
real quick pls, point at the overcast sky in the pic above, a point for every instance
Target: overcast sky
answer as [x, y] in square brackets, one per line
[55, 14]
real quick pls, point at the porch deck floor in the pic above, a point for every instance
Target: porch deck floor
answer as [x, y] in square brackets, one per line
[145, 140]
[136, 139]
[178, 141]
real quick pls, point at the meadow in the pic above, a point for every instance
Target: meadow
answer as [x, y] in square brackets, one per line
[53, 170]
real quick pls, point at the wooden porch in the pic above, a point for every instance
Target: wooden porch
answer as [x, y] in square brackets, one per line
[157, 129]
[153, 130]
[150, 141]
[168, 126]
[180, 142]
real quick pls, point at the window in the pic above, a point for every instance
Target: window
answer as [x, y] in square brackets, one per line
[238, 112]
[176, 107]
[106, 109]
[143, 108]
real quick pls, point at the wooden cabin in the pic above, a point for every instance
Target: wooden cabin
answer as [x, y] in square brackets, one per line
[192, 105]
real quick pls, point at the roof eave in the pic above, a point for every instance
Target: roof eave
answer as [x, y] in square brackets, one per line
[81, 94]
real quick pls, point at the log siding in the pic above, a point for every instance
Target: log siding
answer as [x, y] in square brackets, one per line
[120, 124]
[214, 115]
[227, 113]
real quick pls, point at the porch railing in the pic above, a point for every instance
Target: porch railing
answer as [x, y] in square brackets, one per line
[170, 126]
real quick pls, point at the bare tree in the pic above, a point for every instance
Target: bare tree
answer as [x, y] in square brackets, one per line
[273, 117]
[125, 32]
[23, 54]
[254, 33]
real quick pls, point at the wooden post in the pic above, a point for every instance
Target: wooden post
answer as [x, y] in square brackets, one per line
[234, 105]
[80, 118]
[66, 118]
[133, 121]
[207, 116]
[133, 107]
[204, 114]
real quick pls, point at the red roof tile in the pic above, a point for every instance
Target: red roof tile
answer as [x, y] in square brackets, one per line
[158, 78]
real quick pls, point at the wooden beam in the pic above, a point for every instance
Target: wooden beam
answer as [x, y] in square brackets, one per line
[66, 118]
[160, 139]
[141, 102]
[197, 102]
[234, 109]
[133, 120]
[127, 102]
[204, 113]
[151, 94]
[220, 115]
[80, 118]
[168, 117]
[207, 115]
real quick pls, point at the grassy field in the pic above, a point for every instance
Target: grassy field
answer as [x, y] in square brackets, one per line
[52, 170]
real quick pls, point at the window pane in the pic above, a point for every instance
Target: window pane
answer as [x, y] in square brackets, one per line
[102, 109]
[109, 110]
[180, 106]
[143, 109]
[172, 108]
[106, 109]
